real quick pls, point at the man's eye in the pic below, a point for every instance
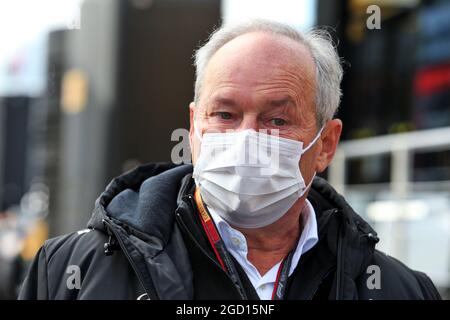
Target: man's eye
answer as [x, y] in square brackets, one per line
[278, 122]
[224, 115]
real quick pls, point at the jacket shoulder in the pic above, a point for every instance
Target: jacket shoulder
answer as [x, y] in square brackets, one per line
[389, 279]
[83, 241]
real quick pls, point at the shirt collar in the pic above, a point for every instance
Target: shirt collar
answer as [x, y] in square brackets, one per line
[235, 241]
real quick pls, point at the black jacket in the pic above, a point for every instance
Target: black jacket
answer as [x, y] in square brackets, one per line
[144, 240]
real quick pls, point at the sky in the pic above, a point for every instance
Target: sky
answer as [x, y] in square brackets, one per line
[298, 13]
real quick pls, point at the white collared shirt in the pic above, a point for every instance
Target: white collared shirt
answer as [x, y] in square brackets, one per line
[236, 244]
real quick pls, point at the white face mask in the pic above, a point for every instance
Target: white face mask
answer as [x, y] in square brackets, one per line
[249, 178]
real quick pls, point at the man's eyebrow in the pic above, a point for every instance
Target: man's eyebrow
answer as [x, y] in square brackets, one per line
[285, 101]
[281, 102]
[224, 101]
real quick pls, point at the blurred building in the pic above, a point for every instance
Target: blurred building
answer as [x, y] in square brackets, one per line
[114, 88]
[127, 74]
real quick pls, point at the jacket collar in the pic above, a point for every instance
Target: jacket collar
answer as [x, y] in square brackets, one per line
[142, 199]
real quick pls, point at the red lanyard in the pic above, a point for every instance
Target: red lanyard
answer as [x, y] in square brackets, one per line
[224, 259]
[209, 227]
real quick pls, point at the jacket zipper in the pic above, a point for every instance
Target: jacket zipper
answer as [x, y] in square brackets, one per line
[130, 260]
[338, 270]
[326, 274]
[320, 282]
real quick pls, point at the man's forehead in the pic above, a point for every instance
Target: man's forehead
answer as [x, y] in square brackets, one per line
[262, 59]
[262, 48]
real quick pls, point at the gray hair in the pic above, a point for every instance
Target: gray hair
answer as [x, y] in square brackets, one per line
[328, 66]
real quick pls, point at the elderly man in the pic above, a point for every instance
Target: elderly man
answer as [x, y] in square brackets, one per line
[249, 220]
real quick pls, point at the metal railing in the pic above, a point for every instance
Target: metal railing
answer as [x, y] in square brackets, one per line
[400, 146]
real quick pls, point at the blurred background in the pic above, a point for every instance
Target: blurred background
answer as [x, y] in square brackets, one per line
[92, 88]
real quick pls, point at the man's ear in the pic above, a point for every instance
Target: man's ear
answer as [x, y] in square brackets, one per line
[330, 139]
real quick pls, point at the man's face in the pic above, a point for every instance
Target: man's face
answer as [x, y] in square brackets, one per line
[259, 81]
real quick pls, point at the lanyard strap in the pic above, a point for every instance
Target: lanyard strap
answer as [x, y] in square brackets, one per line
[225, 260]
[217, 244]
[279, 287]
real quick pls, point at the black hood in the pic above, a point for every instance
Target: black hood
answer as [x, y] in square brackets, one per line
[142, 198]
[136, 211]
